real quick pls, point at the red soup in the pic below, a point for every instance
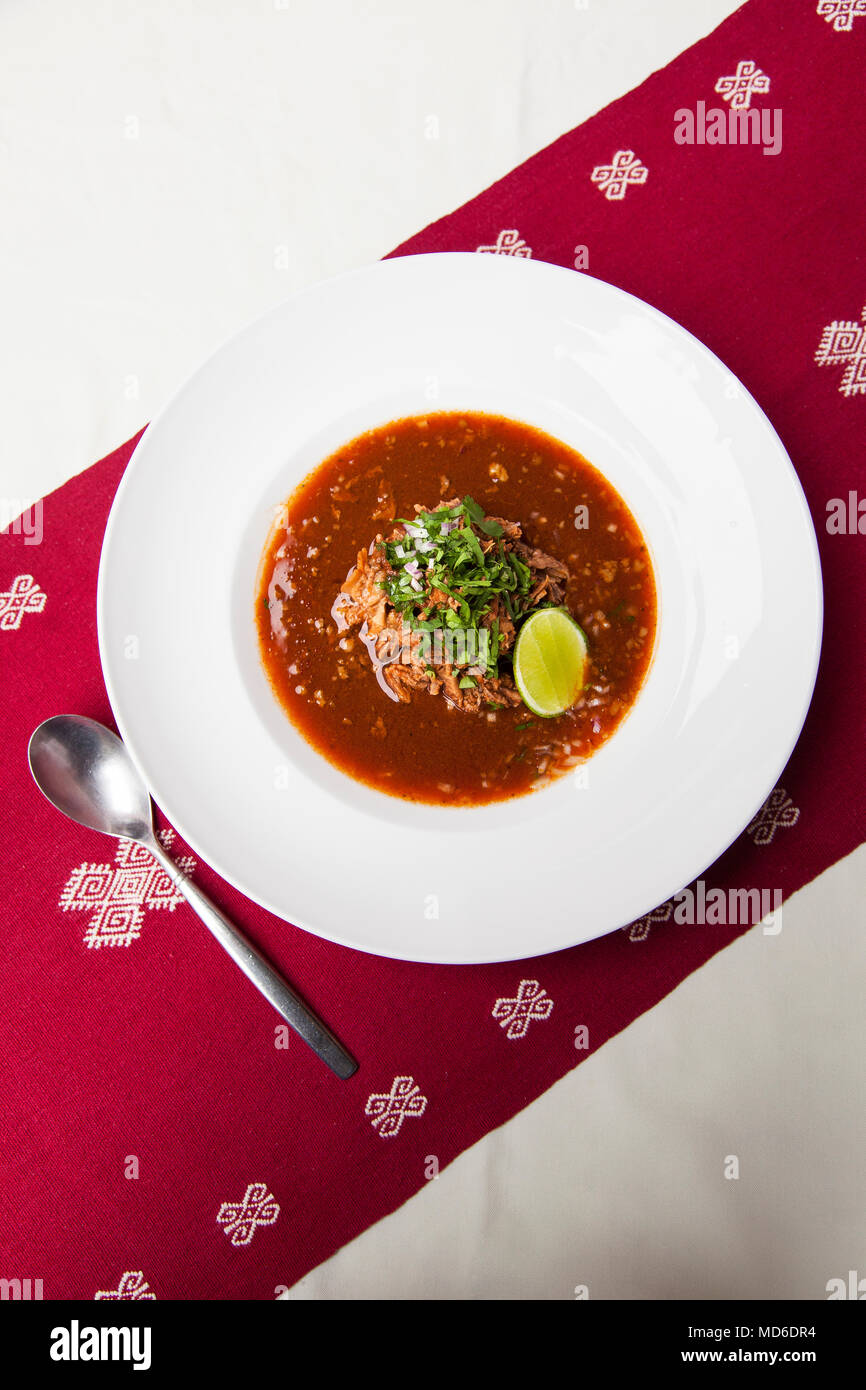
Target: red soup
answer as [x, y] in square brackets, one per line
[461, 524]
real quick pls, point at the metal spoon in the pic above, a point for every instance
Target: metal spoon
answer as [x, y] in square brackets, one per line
[85, 771]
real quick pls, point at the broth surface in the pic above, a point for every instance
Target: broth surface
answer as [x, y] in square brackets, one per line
[426, 750]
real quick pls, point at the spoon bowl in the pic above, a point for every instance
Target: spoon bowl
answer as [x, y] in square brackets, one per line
[86, 772]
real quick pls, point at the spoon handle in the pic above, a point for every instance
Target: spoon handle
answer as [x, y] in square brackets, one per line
[263, 975]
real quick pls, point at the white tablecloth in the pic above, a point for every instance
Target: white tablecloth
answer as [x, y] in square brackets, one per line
[171, 170]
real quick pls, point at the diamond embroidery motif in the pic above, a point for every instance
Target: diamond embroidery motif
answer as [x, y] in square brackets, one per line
[23, 596]
[841, 13]
[515, 1015]
[777, 812]
[508, 243]
[739, 88]
[241, 1219]
[132, 1285]
[117, 895]
[613, 179]
[640, 929]
[843, 343]
[388, 1110]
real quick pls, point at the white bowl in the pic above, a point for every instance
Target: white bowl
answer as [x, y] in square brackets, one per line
[681, 440]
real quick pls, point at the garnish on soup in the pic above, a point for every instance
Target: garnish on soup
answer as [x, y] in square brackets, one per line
[438, 603]
[550, 662]
[372, 601]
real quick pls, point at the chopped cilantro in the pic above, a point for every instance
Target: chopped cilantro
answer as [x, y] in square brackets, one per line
[447, 574]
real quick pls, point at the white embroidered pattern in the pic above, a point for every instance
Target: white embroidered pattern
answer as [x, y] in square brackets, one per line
[508, 243]
[777, 812]
[843, 343]
[132, 1285]
[739, 88]
[640, 929]
[388, 1110]
[841, 13]
[259, 1207]
[118, 894]
[613, 179]
[23, 596]
[515, 1015]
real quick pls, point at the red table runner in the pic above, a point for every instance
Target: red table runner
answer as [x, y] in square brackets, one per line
[157, 1140]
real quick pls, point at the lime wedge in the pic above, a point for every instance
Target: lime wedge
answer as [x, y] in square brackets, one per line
[549, 662]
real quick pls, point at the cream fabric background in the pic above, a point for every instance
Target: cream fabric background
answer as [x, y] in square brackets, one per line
[168, 172]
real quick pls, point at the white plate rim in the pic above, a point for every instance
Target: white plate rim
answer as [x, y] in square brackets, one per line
[166, 801]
